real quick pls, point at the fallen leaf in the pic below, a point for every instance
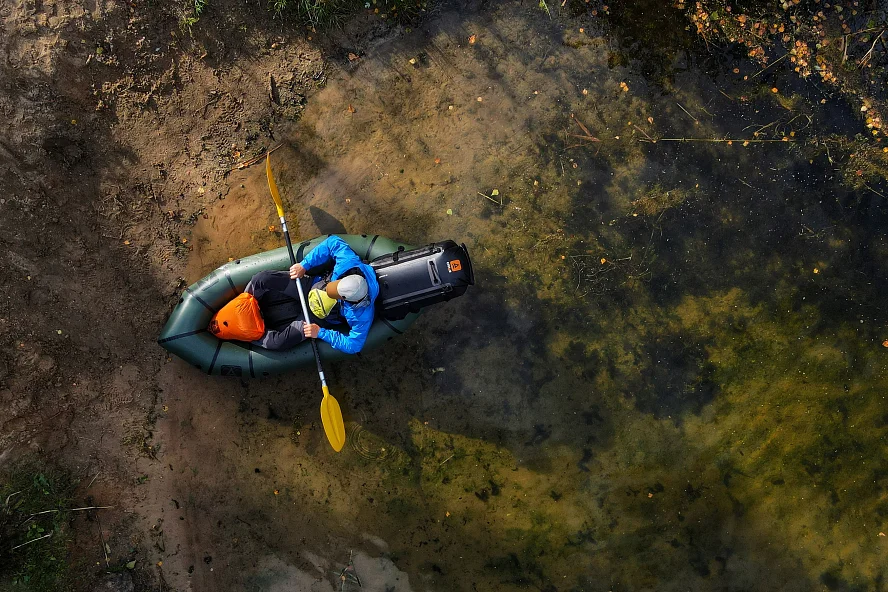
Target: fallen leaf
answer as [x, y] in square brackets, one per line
[352, 57]
[495, 192]
[449, 212]
[650, 120]
[131, 564]
[472, 40]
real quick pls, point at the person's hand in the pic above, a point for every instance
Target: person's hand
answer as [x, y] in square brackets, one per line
[296, 271]
[310, 330]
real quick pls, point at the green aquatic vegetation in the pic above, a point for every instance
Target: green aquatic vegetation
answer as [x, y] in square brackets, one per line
[864, 164]
[789, 421]
[657, 200]
[783, 453]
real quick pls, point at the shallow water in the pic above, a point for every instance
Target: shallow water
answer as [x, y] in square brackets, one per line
[670, 374]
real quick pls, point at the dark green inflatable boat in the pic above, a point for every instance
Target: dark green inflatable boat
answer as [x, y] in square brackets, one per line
[409, 279]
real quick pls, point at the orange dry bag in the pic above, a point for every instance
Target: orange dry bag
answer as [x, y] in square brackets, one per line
[239, 319]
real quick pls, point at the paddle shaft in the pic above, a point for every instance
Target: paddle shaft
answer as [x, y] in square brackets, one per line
[314, 345]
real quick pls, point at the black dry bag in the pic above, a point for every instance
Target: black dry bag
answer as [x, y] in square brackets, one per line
[411, 280]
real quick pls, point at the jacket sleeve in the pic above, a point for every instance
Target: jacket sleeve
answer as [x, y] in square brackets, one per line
[351, 343]
[333, 248]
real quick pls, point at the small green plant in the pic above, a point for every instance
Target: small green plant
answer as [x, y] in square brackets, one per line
[34, 516]
[191, 13]
[545, 8]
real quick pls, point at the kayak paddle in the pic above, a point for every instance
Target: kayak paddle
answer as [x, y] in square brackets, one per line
[331, 415]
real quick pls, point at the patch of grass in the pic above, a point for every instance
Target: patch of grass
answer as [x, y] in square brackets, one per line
[317, 13]
[34, 531]
[321, 14]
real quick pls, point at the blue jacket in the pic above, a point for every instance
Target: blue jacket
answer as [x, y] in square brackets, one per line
[358, 319]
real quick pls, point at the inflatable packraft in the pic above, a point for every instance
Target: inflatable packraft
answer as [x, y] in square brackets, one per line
[410, 279]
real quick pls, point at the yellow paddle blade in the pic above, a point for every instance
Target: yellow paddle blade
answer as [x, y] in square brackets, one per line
[331, 417]
[272, 186]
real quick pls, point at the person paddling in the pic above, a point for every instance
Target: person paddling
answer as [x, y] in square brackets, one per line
[342, 299]
[352, 283]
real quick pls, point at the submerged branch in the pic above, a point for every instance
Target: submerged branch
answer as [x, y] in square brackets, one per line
[728, 140]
